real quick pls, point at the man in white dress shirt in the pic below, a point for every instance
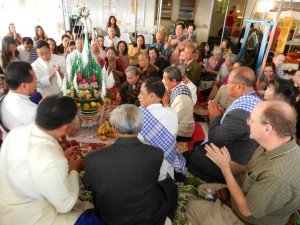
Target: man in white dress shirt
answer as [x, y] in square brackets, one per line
[151, 94]
[111, 40]
[50, 70]
[38, 185]
[16, 108]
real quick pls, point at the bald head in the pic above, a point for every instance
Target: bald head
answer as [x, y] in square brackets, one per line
[160, 36]
[240, 82]
[189, 51]
[244, 75]
[280, 115]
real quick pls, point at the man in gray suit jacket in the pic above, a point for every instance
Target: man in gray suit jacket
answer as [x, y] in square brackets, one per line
[124, 176]
[229, 128]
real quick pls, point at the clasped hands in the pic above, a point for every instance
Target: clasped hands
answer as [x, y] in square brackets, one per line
[55, 68]
[214, 109]
[166, 99]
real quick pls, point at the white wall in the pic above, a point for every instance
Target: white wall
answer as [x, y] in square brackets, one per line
[46, 13]
[202, 17]
[98, 21]
[203, 20]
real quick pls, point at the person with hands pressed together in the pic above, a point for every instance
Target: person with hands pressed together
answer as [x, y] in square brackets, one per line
[134, 51]
[214, 110]
[180, 101]
[129, 91]
[39, 184]
[187, 81]
[229, 128]
[111, 40]
[267, 190]
[13, 33]
[9, 52]
[50, 70]
[113, 65]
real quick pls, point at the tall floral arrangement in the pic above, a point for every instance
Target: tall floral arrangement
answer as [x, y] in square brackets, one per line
[86, 79]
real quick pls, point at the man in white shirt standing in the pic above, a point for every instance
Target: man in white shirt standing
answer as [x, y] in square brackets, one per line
[160, 126]
[50, 70]
[39, 181]
[111, 40]
[16, 108]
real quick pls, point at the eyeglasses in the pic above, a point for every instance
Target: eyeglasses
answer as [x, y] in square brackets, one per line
[249, 121]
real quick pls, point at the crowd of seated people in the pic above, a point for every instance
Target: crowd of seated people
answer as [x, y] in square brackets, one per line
[167, 80]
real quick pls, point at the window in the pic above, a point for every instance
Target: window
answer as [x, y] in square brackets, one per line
[221, 6]
[166, 8]
[187, 9]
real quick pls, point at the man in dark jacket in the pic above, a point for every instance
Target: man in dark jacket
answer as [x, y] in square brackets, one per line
[124, 176]
[229, 128]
